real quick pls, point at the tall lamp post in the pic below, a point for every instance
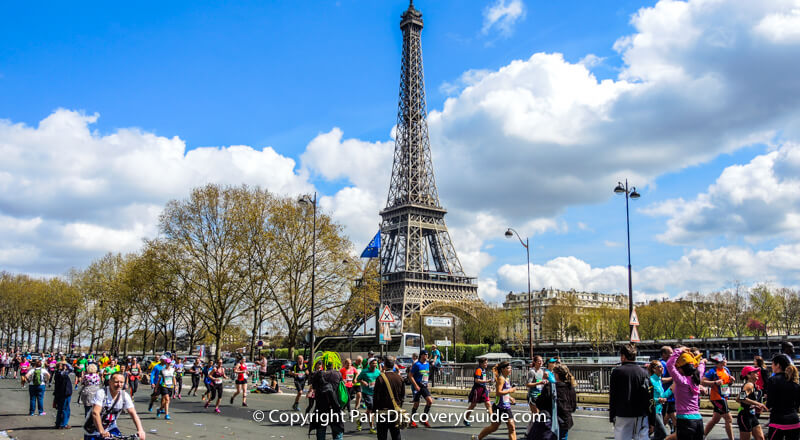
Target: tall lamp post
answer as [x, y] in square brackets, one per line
[509, 234]
[632, 194]
[306, 199]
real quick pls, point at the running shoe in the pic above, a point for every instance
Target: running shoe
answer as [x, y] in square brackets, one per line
[158, 413]
[167, 417]
[474, 437]
[206, 404]
[372, 431]
[42, 413]
[427, 425]
[150, 407]
[413, 424]
[244, 403]
[358, 425]
[295, 407]
[231, 400]
[216, 410]
[467, 423]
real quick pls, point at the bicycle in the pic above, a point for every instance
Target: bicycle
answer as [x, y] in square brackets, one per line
[124, 437]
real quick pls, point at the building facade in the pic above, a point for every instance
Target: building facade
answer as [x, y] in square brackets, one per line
[543, 300]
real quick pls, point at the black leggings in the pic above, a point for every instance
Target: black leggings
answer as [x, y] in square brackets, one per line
[689, 429]
[179, 379]
[195, 383]
[776, 434]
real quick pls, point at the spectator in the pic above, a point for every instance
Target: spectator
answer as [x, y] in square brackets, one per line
[558, 401]
[36, 379]
[325, 384]
[783, 400]
[62, 394]
[389, 390]
[629, 398]
[666, 382]
[787, 348]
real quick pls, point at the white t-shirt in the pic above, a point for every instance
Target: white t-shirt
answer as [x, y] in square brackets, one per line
[168, 377]
[103, 400]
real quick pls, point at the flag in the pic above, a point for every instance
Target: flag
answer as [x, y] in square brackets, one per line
[373, 248]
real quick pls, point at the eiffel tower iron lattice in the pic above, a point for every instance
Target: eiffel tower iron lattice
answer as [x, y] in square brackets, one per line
[419, 265]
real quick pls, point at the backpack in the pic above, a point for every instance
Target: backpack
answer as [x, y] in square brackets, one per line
[343, 396]
[37, 377]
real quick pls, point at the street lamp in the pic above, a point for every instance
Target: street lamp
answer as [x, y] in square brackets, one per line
[629, 193]
[509, 234]
[306, 199]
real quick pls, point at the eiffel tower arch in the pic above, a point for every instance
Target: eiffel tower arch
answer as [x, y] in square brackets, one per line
[419, 265]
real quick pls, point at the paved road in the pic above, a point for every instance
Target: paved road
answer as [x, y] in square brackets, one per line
[191, 421]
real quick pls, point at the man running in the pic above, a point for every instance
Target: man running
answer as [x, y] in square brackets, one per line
[720, 380]
[480, 389]
[179, 378]
[299, 372]
[155, 380]
[420, 372]
[367, 380]
[80, 368]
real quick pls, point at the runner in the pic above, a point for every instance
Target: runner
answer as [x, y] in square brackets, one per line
[763, 374]
[109, 369]
[207, 380]
[480, 388]
[666, 383]
[155, 372]
[108, 402]
[37, 378]
[750, 406]
[719, 379]
[217, 375]
[51, 368]
[263, 366]
[24, 367]
[166, 387]
[535, 383]
[3, 364]
[502, 403]
[349, 375]
[356, 391]
[196, 372]
[558, 401]
[240, 373]
[134, 376]
[299, 372]
[783, 400]
[104, 360]
[367, 380]
[660, 398]
[15, 364]
[179, 378]
[686, 367]
[80, 368]
[420, 372]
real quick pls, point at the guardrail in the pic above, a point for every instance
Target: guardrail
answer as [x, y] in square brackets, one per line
[591, 378]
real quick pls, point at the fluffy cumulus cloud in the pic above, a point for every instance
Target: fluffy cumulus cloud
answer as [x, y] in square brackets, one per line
[757, 200]
[502, 15]
[699, 270]
[68, 193]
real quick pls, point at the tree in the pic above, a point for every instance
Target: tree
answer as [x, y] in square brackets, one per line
[765, 306]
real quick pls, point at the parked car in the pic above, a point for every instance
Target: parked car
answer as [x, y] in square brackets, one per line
[519, 363]
[404, 362]
[188, 362]
[275, 366]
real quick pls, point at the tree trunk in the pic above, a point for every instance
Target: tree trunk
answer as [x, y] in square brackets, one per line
[217, 343]
[125, 346]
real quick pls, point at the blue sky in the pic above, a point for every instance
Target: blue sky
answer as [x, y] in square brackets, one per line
[298, 81]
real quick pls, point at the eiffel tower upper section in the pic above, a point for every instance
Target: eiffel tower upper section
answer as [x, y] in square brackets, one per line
[418, 261]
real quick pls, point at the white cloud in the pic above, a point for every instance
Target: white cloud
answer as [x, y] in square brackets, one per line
[68, 193]
[757, 200]
[698, 270]
[781, 27]
[502, 15]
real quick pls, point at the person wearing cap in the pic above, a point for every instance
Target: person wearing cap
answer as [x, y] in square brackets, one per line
[629, 399]
[420, 372]
[686, 367]
[155, 379]
[719, 379]
[750, 405]
[435, 361]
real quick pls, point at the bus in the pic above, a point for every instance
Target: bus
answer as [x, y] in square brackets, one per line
[401, 345]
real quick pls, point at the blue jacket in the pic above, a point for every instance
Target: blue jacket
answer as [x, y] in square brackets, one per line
[658, 392]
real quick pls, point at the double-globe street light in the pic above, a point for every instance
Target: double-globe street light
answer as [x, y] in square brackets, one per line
[509, 234]
[307, 200]
[632, 194]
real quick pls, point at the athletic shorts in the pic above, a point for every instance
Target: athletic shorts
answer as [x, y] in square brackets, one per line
[165, 391]
[689, 429]
[746, 421]
[669, 407]
[478, 395]
[368, 401]
[78, 374]
[778, 434]
[423, 392]
[356, 388]
[299, 384]
[501, 413]
[720, 406]
[241, 382]
[532, 396]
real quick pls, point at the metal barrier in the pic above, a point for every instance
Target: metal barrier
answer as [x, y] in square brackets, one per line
[591, 378]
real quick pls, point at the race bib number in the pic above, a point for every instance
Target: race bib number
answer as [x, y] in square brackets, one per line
[218, 380]
[506, 398]
[725, 390]
[424, 377]
[371, 385]
[168, 381]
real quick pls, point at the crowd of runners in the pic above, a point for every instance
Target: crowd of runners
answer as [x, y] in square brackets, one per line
[660, 400]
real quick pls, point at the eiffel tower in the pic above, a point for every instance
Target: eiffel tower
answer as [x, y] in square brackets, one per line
[419, 265]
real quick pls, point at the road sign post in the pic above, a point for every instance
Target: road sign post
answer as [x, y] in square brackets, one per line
[634, 323]
[438, 321]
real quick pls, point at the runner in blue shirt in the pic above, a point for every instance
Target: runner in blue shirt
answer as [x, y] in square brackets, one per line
[155, 380]
[420, 372]
[666, 382]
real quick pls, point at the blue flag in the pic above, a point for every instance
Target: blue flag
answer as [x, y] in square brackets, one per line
[373, 248]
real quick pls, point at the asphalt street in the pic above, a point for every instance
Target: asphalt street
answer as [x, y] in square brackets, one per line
[191, 421]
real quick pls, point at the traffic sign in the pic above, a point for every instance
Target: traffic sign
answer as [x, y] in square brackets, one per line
[634, 318]
[444, 343]
[260, 343]
[438, 321]
[386, 316]
[635, 334]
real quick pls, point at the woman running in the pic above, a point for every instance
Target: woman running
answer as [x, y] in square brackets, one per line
[783, 400]
[179, 378]
[686, 368]
[502, 403]
[166, 388]
[134, 377]
[750, 405]
[480, 389]
[240, 373]
[660, 396]
[217, 375]
[24, 367]
[195, 371]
